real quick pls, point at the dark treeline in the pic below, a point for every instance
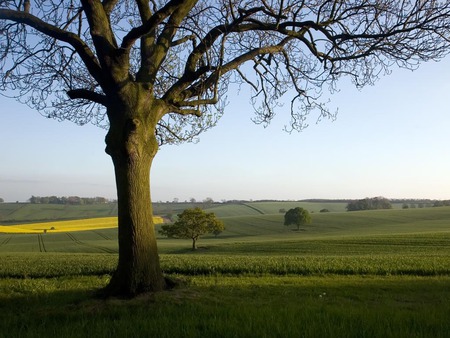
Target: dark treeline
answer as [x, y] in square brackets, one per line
[73, 200]
[374, 203]
[445, 203]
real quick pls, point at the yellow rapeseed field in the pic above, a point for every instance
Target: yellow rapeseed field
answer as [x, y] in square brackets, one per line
[65, 226]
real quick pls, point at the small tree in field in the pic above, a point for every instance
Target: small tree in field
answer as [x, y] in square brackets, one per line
[156, 72]
[297, 216]
[191, 224]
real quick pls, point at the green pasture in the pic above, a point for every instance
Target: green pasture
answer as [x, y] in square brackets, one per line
[361, 274]
[25, 212]
[251, 228]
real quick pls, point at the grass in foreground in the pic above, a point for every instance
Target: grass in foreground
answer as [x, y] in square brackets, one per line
[231, 306]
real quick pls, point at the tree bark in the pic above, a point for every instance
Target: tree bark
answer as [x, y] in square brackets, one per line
[132, 144]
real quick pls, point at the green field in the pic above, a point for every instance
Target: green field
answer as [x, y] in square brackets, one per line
[12, 213]
[25, 212]
[360, 274]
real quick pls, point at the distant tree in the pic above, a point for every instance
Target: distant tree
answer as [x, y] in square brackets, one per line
[100, 200]
[2, 200]
[282, 210]
[324, 210]
[297, 216]
[191, 224]
[405, 206]
[33, 199]
[207, 202]
[443, 203]
[54, 200]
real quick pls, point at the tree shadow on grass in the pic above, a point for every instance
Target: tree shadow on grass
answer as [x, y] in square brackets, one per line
[230, 306]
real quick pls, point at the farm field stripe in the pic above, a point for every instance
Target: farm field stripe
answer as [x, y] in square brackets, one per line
[6, 240]
[114, 210]
[41, 243]
[98, 247]
[102, 235]
[254, 208]
[15, 210]
[72, 237]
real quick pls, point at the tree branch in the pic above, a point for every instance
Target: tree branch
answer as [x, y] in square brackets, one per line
[177, 90]
[100, 28]
[109, 5]
[159, 50]
[79, 45]
[150, 25]
[87, 95]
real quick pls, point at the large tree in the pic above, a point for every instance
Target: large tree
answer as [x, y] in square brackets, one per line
[155, 72]
[193, 223]
[297, 216]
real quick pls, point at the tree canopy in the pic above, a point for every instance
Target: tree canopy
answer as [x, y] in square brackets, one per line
[156, 72]
[297, 216]
[193, 223]
[186, 53]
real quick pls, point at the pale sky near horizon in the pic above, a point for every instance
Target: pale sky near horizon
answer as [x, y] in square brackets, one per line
[389, 140]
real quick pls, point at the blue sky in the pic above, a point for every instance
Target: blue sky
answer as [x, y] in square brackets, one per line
[388, 140]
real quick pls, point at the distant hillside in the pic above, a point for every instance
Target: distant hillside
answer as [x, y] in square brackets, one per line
[12, 213]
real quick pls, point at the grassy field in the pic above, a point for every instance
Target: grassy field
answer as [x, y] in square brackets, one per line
[231, 306]
[11, 213]
[362, 274]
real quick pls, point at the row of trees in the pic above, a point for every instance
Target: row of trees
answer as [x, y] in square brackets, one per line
[445, 203]
[369, 204]
[73, 200]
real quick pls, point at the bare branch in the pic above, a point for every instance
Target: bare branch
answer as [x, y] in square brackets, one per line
[80, 46]
[190, 51]
[150, 25]
[87, 95]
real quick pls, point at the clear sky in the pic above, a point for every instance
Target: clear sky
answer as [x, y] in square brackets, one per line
[389, 140]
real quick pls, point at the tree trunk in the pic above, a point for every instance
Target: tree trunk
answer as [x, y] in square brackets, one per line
[132, 144]
[194, 247]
